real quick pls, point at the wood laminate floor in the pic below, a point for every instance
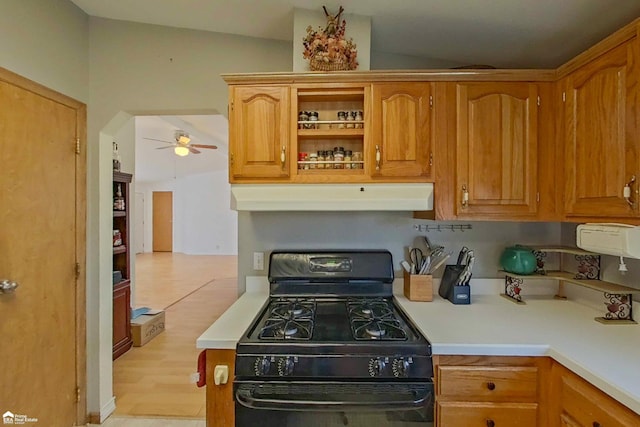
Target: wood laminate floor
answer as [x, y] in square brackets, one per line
[116, 421]
[154, 380]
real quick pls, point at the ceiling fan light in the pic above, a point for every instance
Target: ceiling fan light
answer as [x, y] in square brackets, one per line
[183, 139]
[181, 151]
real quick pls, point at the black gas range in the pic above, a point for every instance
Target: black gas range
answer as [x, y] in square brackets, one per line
[332, 346]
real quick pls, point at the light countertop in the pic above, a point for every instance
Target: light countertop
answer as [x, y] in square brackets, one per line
[605, 355]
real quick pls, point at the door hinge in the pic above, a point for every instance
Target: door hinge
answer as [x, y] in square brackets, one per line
[538, 100]
[564, 96]
[77, 394]
[538, 197]
[231, 105]
[430, 101]
[77, 270]
[231, 159]
[77, 145]
[431, 158]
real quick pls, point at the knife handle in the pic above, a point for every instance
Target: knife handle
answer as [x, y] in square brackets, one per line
[461, 255]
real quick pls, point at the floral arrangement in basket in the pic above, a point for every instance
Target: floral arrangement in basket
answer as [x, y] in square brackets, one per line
[327, 49]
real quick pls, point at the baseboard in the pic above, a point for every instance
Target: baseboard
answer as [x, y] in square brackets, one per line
[94, 418]
[105, 411]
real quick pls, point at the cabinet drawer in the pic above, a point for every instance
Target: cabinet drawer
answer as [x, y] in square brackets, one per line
[587, 406]
[470, 414]
[484, 383]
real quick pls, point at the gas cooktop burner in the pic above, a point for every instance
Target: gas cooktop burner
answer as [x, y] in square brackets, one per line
[296, 307]
[289, 319]
[374, 319]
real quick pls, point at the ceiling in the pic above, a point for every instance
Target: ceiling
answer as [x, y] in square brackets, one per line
[154, 164]
[502, 33]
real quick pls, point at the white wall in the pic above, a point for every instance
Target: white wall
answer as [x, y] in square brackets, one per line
[46, 41]
[209, 226]
[392, 61]
[203, 223]
[394, 231]
[147, 69]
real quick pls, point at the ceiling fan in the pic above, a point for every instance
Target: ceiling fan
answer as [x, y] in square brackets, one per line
[182, 145]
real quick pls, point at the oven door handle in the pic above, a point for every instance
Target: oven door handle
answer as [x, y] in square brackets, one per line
[324, 402]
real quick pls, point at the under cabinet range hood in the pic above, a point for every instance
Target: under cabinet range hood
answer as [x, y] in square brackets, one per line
[332, 197]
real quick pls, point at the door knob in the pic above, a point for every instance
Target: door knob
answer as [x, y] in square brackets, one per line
[7, 286]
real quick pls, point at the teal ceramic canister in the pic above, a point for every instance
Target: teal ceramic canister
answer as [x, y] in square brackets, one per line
[518, 259]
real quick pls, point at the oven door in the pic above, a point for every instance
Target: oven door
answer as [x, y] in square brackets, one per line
[320, 404]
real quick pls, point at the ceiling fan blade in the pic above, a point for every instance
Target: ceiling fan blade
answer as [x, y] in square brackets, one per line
[164, 148]
[193, 150]
[160, 140]
[211, 147]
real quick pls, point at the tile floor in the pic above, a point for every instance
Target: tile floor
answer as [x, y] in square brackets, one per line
[115, 421]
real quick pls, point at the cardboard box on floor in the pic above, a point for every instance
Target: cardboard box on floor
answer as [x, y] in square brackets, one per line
[147, 326]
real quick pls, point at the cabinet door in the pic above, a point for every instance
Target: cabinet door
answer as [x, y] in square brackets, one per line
[401, 125]
[121, 319]
[489, 383]
[601, 138]
[496, 170]
[568, 421]
[464, 414]
[259, 132]
[582, 404]
[220, 399]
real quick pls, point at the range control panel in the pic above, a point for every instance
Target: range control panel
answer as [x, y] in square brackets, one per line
[338, 366]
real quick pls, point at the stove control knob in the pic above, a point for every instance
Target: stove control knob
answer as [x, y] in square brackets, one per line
[377, 365]
[285, 366]
[401, 366]
[262, 365]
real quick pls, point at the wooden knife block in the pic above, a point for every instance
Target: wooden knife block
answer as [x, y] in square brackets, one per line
[418, 287]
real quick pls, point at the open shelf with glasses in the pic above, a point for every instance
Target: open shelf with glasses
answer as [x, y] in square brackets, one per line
[331, 130]
[617, 298]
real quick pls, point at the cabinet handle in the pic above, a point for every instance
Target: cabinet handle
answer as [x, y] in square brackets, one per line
[596, 424]
[491, 386]
[626, 192]
[465, 196]
[283, 156]
[491, 423]
[378, 156]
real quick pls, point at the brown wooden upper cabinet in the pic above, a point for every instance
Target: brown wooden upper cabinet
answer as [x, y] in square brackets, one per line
[401, 130]
[496, 149]
[259, 132]
[600, 136]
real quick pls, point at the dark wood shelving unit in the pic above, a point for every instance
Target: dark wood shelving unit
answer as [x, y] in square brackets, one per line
[122, 341]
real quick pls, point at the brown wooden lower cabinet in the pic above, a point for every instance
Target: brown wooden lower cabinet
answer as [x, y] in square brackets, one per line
[491, 391]
[483, 391]
[220, 400]
[121, 318]
[577, 403]
[485, 414]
